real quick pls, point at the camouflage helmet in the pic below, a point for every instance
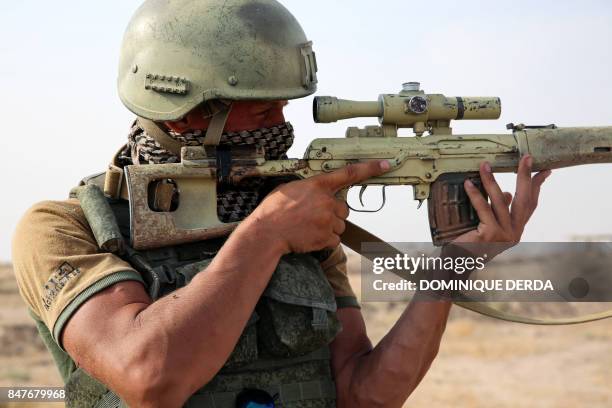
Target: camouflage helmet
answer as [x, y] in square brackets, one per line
[177, 54]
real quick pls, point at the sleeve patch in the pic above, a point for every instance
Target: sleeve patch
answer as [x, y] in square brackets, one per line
[57, 281]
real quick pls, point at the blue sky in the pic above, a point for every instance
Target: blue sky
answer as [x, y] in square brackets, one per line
[548, 61]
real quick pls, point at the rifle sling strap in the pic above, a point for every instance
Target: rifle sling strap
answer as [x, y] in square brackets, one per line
[354, 236]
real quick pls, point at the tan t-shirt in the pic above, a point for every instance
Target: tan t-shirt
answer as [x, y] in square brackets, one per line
[58, 264]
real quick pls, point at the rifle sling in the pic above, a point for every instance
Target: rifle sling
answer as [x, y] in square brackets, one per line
[354, 236]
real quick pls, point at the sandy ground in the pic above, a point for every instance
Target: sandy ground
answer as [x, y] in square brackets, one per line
[482, 362]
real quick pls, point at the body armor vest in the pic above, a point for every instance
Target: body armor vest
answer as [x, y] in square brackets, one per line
[284, 348]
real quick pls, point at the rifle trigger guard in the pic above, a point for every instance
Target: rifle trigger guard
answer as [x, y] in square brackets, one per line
[363, 188]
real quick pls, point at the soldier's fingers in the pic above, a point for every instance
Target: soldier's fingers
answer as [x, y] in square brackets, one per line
[498, 200]
[342, 209]
[521, 207]
[354, 174]
[482, 207]
[536, 185]
[333, 242]
[339, 226]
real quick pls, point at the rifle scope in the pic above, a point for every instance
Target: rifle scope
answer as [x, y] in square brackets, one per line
[407, 108]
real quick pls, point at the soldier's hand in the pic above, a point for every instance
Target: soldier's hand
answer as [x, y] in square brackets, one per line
[504, 219]
[306, 215]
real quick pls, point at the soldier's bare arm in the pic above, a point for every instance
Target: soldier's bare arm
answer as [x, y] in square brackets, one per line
[147, 351]
[159, 353]
[384, 376]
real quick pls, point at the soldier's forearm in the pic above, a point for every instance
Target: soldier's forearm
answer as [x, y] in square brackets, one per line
[195, 328]
[388, 374]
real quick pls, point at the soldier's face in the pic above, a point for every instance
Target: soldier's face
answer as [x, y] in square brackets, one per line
[245, 115]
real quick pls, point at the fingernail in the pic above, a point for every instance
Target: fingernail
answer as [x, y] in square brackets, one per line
[469, 184]
[529, 161]
[385, 165]
[487, 167]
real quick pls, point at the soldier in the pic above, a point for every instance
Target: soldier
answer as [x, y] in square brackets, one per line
[253, 319]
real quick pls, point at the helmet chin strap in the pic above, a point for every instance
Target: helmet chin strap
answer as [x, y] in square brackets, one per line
[160, 136]
[220, 113]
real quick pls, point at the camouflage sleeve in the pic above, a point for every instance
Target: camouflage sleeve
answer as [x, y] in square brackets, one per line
[58, 264]
[335, 267]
